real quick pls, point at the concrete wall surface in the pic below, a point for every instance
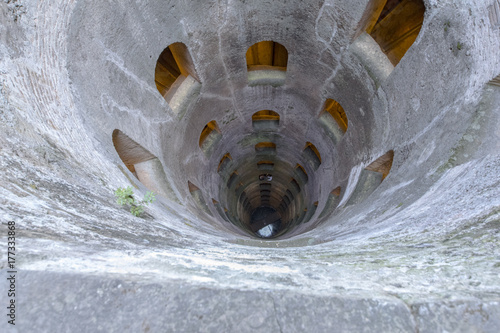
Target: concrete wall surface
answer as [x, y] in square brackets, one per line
[418, 251]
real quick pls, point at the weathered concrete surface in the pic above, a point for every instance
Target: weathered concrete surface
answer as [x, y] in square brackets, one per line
[420, 254]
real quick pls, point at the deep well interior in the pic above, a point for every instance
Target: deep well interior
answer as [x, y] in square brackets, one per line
[319, 165]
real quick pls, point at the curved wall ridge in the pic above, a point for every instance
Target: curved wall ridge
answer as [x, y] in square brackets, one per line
[308, 157]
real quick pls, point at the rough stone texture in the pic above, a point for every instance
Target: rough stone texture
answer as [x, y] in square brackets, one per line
[420, 254]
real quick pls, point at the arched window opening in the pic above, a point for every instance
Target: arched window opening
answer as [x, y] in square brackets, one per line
[240, 184]
[295, 185]
[219, 210]
[301, 172]
[146, 167]
[207, 130]
[336, 111]
[394, 25]
[310, 212]
[232, 179]
[265, 148]
[209, 136]
[265, 120]
[382, 164]
[332, 202]
[265, 196]
[176, 78]
[224, 162]
[313, 156]
[265, 115]
[265, 165]
[336, 191]
[496, 80]
[266, 63]
[130, 152]
[371, 177]
[174, 65]
[302, 216]
[166, 71]
[198, 198]
[267, 55]
[265, 192]
[192, 188]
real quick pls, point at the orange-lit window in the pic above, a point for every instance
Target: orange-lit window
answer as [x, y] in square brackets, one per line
[383, 164]
[309, 212]
[265, 165]
[314, 149]
[174, 64]
[265, 120]
[232, 179]
[336, 191]
[265, 147]
[302, 173]
[224, 162]
[267, 55]
[198, 198]
[207, 131]
[394, 25]
[130, 152]
[331, 203]
[265, 115]
[313, 155]
[146, 167]
[334, 109]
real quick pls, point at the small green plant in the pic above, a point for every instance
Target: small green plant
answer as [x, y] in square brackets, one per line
[459, 46]
[125, 197]
[446, 26]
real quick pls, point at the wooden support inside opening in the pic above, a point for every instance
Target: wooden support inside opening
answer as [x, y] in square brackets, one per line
[336, 191]
[382, 164]
[174, 62]
[224, 161]
[192, 187]
[265, 120]
[267, 55]
[337, 112]
[332, 202]
[198, 198]
[232, 179]
[495, 81]
[301, 172]
[312, 155]
[394, 25]
[265, 115]
[295, 185]
[314, 149]
[130, 152]
[263, 147]
[207, 130]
